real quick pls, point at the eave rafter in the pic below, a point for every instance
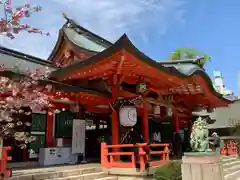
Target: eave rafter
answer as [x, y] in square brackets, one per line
[79, 97]
[94, 109]
[213, 98]
[193, 100]
[150, 74]
[98, 70]
[121, 63]
[93, 100]
[189, 88]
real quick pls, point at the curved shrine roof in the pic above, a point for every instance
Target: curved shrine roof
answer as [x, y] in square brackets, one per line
[180, 69]
[80, 37]
[10, 58]
[82, 40]
[102, 49]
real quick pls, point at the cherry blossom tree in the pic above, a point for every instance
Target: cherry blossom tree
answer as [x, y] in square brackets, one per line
[11, 22]
[19, 95]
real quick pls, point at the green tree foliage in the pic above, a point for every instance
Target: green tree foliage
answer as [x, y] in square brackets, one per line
[189, 53]
[169, 171]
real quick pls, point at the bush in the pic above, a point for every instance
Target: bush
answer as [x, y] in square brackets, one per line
[170, 171]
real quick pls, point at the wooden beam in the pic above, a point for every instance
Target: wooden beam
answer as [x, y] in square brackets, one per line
[158, 90]
[127, 94]
[94, 109]
[120, 65]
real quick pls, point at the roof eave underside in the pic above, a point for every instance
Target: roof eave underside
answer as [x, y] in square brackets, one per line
[125, 43]
[57, 45]
[58, 85]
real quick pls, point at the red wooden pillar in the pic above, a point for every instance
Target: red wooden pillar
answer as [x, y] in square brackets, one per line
[25, 154]
[115, 129]
[115, 118]
[49, 129]
[80, 113]
[145, 128]
[176, 122]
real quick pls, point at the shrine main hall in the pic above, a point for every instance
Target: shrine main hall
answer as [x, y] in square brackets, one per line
[112, 87]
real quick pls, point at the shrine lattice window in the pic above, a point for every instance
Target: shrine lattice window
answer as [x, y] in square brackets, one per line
[64, 124]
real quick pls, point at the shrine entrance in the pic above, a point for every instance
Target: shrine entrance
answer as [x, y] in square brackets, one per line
[97, 131]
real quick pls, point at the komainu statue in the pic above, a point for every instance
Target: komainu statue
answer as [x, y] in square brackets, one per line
[199, 136]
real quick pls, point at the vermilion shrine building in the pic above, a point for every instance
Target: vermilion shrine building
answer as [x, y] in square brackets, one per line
[93, 78]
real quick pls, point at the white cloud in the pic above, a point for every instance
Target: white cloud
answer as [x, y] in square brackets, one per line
[111, 18]
[108, 18]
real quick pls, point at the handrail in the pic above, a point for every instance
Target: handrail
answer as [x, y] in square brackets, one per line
[139, 159]
[4, 172]
[229, 148]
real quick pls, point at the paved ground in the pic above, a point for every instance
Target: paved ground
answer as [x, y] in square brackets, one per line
[35, 164]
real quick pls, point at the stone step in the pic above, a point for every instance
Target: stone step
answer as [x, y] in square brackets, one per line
[231, 169]
[53, 169]
[229, 159]
[107, 178]
[59, 173]
[230, 164]
[90, 176]
[232, 176]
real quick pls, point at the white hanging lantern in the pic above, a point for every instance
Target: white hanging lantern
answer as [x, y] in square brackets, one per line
[128, 116]
[157, 110]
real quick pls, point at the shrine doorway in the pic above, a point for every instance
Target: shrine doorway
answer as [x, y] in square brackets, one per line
[97, 131]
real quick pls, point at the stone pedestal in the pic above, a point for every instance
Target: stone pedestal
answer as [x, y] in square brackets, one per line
[202, 166]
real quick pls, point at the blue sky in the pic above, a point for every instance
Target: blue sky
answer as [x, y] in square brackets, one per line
[156, 27]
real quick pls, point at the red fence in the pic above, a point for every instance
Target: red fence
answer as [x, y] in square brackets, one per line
[230, 148]
[4, 172]
[143, 157]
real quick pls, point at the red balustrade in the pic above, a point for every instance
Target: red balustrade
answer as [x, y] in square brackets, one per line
[230, 148]
[111, 159]
[4, 171]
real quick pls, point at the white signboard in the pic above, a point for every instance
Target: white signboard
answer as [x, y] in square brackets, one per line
[157, 137]
[78, 137]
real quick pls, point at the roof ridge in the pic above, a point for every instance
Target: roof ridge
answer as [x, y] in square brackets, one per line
[88, 32]
[27, 57]
[193, 61]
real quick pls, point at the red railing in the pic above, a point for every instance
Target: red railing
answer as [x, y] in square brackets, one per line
[112, 159]
[230, 148]
[4, 172]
